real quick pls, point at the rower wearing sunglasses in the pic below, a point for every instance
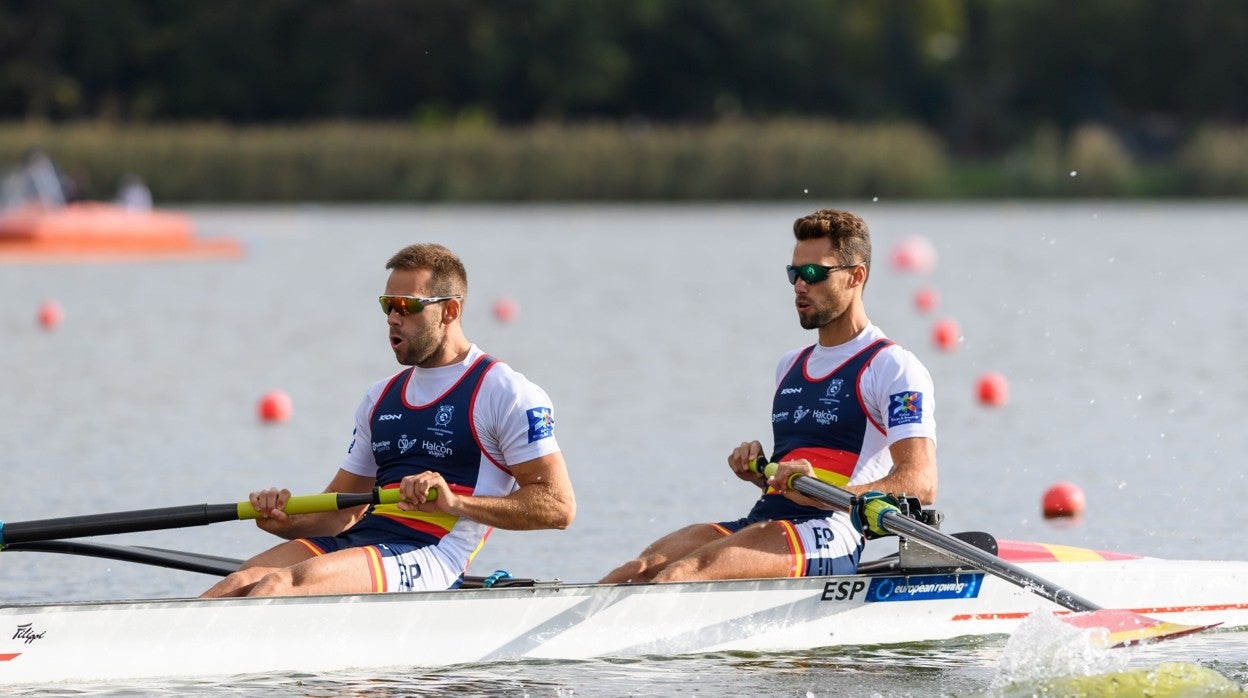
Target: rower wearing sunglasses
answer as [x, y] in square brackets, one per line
[853, 409]
[466, 441]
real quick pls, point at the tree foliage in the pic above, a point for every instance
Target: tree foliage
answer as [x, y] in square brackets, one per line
[985, 74]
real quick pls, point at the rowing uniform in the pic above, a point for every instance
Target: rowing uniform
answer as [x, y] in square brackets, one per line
[840, 408]
[469, 422]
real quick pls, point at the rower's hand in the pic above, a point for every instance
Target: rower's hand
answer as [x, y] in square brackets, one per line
[414, 493]
[270, 504]
[868, 510]
[742, 459]
[785, 472]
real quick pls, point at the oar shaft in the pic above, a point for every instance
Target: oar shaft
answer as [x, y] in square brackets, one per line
[118, 522]
[179, 517]
[901, 525]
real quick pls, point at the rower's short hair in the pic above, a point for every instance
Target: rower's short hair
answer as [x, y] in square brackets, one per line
[449, 276]
[846, 233]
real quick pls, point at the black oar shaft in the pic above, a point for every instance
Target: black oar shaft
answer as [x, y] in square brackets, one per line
[901, 525]
[176, 517]
[119, 522]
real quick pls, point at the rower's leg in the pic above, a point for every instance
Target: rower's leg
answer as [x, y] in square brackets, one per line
[252, 571]
[660, 553]
[763, 549]
[346, 571]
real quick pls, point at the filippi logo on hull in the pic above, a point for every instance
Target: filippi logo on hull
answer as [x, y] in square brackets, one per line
[925, 587]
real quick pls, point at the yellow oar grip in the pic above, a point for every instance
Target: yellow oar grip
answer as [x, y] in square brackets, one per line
[299, 504]
[325, 501]
[762, 467]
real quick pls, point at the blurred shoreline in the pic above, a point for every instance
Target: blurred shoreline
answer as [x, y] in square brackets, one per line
[475, 160]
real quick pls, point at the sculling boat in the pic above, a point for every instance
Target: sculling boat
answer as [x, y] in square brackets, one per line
[911, 597]
[937, 586]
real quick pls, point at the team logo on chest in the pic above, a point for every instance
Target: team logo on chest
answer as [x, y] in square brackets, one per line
[834, 389]
[442, 420]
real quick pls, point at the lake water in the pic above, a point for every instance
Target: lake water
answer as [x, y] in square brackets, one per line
[1119, 326]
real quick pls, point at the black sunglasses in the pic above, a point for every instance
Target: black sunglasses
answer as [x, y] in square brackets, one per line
[406, 305]
[814, 273]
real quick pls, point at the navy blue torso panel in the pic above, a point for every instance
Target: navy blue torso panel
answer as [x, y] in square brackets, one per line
[821, 420]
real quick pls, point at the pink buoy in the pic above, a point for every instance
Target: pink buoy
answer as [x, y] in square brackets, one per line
[946, 334]
[1063, 499]
[993, 389]
[926, 299]
[506, 309]
[913, 254]
[275, 406]
[50, 315]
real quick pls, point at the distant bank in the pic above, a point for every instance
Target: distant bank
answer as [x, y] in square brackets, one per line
[474, 161]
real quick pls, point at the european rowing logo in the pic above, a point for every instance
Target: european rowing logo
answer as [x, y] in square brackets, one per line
[905, 408]
[541, 423]
[926, 587]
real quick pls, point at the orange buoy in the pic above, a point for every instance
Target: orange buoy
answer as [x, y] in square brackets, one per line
[926, 299]
[913, 254]
[275, 406]
[1063, 499]
[947, 334]
[993, 389]
[50, 315]
[505, 309]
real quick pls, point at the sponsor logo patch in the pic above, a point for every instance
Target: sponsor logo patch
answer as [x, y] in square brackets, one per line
[405, 444]
[925, 587]
[438, 449]
[541, 423]
[905, 408]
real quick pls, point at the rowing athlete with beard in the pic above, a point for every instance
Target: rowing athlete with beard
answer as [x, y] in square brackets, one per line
[467, 441]
[853, 409]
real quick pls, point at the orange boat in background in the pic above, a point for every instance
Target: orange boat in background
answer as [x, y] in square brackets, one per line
[97, 231]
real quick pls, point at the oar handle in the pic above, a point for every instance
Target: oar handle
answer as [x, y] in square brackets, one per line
[899, 524]
[329, 501]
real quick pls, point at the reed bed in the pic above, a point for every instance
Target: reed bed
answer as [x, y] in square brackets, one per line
[475, 160]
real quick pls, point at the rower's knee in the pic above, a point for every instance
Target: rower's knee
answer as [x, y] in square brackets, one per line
[636, 571]
[275, 583]
[687, 569]
[234, 584]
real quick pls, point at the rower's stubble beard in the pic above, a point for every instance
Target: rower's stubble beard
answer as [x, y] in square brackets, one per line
[422, 345]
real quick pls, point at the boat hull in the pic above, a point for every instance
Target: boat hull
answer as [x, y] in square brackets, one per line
[219, 637]
[93, 231]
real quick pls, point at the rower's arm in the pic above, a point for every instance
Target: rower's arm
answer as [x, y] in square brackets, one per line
[913, 473]
[543, 500]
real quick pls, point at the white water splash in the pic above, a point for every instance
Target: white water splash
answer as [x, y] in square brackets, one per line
[1044, 647]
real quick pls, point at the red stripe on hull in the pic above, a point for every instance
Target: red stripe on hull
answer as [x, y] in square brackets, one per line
[1144, 611]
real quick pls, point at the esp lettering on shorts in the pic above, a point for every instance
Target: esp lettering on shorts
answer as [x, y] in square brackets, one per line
[408, 574]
